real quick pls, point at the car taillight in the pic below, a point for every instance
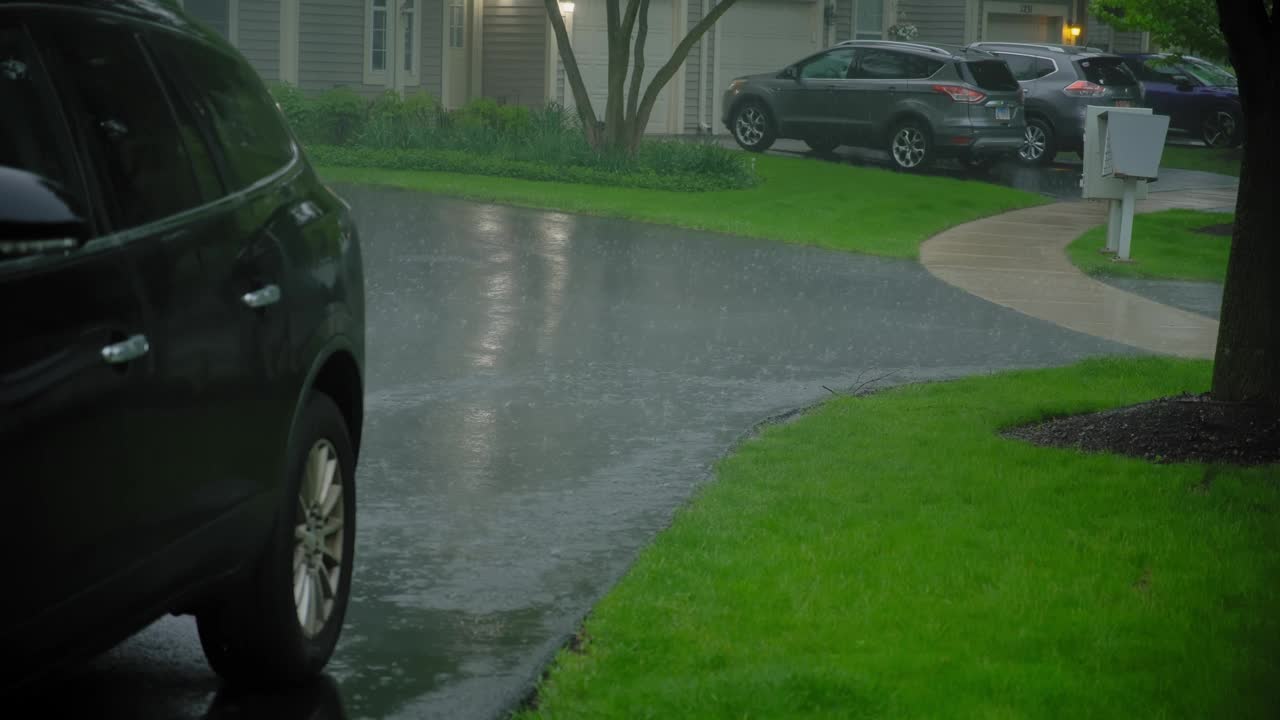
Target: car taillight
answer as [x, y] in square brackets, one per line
[959, 93]
[1084, 88]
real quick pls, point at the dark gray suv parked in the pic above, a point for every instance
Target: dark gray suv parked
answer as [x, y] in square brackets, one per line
[1060, 82]
[917, 102]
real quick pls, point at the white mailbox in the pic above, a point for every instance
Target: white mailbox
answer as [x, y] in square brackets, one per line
[1122, 149]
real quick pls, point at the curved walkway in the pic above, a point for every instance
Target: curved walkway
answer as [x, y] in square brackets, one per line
[1019, 260]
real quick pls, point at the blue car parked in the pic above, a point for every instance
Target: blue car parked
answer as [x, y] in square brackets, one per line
[1199, 97]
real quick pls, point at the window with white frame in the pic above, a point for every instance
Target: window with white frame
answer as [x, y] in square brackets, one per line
[378, 16]
[868, 19]
[409, 19]
[457, 23]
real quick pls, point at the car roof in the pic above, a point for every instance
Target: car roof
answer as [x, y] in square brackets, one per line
[1047, 49]
[927, 49]
[157, 12]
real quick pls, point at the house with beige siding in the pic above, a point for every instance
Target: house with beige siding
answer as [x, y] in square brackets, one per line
[458, 50]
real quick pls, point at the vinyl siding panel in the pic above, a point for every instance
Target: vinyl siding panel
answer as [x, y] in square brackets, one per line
[844, 20]
[515, 51]
[1099, 34]
[431, 61]
[939, 21]
[259, 36]
[331, 46]
[692, 70]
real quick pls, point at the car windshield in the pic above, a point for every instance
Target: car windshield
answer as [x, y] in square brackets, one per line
[1208, 73]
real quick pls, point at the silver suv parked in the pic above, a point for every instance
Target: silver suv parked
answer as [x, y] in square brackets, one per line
[1060, 82]
[916, 101]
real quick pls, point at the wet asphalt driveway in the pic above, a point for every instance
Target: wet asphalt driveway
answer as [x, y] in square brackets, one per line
[543, 391]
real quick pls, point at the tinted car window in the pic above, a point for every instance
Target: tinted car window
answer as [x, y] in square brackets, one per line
[876, 64]
[834, 64]
[138, 153]
[1025, 67]
[249, 130]
[1106, 71]
[28, 139]
[991, 75]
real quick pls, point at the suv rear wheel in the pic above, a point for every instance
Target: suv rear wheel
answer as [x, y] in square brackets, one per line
[752, 127]
[1219, 129]
[279, 625]
[909, 146]
[1039, 146]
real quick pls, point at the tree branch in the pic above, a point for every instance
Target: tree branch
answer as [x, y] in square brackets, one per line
[667, 71]
[637, 72]
[581, 98]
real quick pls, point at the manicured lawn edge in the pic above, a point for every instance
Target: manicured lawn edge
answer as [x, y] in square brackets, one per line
[1165, 246]
[800, 201]
[1223, 161]
[893, 556]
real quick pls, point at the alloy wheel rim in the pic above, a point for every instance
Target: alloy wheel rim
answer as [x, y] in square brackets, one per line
[318, 536]
[1033, 142]
[750, 126]
[908, 147]
[1218, 129]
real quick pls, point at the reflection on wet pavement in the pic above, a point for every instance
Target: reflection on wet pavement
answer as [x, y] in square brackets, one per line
[543, 390]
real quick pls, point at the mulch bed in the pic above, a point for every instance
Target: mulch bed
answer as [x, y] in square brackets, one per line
[1220, 230]
[1186, 428]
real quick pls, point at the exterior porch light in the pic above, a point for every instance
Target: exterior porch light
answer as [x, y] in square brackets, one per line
[1075, 30]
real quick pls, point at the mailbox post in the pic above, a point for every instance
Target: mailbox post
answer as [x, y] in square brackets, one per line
[1122, 154]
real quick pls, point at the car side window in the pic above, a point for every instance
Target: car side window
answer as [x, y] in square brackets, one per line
[29, 123]
[1043, 68]
[832, 65]
[125, 119]
[1159, 70]
[877, 64]
[1022, 66]
[249, 131]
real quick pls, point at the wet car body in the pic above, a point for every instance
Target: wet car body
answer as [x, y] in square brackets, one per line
[1200, 98]
[155, 369]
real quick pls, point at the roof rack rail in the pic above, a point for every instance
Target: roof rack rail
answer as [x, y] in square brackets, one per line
[897, 43]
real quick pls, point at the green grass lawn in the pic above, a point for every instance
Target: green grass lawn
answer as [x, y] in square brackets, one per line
[865, 210]
[892, 556]
[1224, 161]
[1165, 246]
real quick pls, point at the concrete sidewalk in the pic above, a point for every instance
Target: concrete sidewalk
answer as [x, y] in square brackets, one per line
[1019, 260]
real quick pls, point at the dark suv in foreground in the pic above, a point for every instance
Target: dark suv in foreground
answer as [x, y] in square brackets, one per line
[1060, 82]
[180, 375]
[917, 102]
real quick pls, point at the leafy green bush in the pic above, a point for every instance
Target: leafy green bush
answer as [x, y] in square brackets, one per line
[336, 117]
[486, 138]
[460, 161]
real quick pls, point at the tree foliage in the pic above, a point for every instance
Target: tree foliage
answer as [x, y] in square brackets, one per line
[1189, 26]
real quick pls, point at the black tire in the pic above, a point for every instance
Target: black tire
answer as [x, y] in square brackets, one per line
[752, 126]
[1220, 129]
[910, 146]
[822, 145]
[1040, 145]
[251, 633]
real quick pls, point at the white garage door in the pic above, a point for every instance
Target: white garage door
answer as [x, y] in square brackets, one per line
[1007, 27]
[591, 47]
[759, 36]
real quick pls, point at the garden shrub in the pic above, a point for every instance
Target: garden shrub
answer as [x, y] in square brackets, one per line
[337, 116]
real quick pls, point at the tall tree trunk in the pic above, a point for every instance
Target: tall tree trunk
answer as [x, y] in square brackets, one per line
[581, 98]
[1247, 366]
[637, 70]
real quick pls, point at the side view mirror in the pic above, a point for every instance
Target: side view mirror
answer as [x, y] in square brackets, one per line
[790, 73]
[1183, 82]
[37, 216]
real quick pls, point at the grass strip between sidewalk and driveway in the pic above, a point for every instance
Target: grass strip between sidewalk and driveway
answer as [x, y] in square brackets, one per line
[1165, 246]
[892, 556]
[828, 205]
[1223, 161]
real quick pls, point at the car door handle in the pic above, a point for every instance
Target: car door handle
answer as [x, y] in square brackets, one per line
[126, 350]
[262, 297]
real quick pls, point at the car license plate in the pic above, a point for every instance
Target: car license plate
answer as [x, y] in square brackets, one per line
[1124, 103]
[1004, 113]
